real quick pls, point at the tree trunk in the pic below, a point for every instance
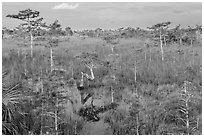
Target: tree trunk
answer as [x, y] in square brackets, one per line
[72, 69]
[56, 123]
[112, 98]
[161, 44]
[31, 38]
[112, 49]
[18, 52]
[180, 41]
[92, 74]
[82, 80]
[137, 130]
[31, 44]
[193, 57]
[193, 51]
[51, 59]
[191, 42]
[135, 73]
[25, 70]
[145, 56]
[41, 130]
[197, 123]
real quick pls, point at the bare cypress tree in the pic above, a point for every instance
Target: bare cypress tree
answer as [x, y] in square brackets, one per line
[114, 68]
[54, 32]
[181, 105]
[159, 29]
[30, 17]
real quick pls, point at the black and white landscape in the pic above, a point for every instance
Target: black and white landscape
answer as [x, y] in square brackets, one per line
[101, 68]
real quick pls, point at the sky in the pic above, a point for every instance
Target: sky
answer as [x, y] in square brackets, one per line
[108, 15]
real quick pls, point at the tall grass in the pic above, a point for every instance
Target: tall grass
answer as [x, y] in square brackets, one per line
[179, 65]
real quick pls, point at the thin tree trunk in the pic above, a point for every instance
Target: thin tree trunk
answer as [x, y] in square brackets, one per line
[112, 49]
[137, 130]
[18, 52]
[82, 80]
[135, 73]
[72, 70]
[180, 41]
[51, 59]
[161, 44]
[31, 39]
[56, 122]
[25, 70]
[41, 129]
[31, 44]
[193, 57]
[197, 123]
[145, 56]
[191, 42]
[92, 74]
[42, 90]
[193, 51]
[112, 98]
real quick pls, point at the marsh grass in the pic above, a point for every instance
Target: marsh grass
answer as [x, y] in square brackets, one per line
[179, 65]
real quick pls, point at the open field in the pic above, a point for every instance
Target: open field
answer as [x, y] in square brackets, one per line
[146, 99]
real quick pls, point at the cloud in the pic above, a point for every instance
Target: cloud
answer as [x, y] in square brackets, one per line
[178, 11]
[65, 6]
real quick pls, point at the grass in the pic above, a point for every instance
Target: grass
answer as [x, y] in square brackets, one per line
[180, 63]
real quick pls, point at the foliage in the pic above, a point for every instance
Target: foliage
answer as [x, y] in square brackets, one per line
[11, 113]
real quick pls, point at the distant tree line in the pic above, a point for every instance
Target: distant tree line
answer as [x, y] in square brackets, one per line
[160, 32]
